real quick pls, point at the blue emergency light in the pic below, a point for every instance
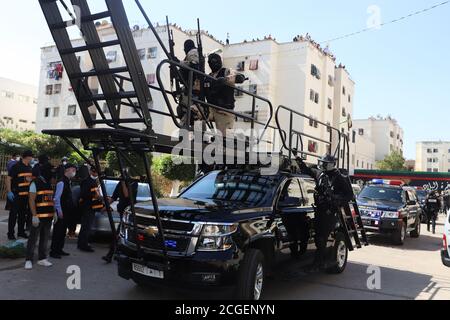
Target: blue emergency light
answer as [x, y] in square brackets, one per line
[387, 182]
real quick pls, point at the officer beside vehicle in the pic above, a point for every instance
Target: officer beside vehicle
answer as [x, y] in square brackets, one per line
[91, 201]
[64, 210]
[446, 201]
[17, 187]
[333, 191]
[43, 210]
[221, 93]
[432, 208]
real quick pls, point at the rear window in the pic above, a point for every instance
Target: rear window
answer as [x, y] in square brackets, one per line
[377, 193]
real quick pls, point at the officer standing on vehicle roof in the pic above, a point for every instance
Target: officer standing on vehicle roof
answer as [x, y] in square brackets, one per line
[43, 210]
[333, 191]
[91, 201]
[221, 93]
[17, 187]
[64, 209]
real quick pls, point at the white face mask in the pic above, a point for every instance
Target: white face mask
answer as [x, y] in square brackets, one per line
[72, 175]
[64, 163]
[94, 178]
[17, 158]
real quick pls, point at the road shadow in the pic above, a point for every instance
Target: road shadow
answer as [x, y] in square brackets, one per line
[423, 243]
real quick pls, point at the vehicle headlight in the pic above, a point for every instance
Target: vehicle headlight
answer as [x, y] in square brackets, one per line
[216, 237]
[391, 214]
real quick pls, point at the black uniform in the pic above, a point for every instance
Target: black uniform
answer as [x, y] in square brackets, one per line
[432, 207]
[333, 191]
[90, 202]
[446, 202]
[60, 227]
[220, 94]
[21, 177]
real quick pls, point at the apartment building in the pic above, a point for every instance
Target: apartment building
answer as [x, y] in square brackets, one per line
[433, 156]
[18, 104]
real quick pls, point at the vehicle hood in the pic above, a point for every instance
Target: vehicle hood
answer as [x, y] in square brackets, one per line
[196, 210]
[379, 205]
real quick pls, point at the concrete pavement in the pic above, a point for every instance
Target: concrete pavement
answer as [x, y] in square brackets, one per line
[413, 271]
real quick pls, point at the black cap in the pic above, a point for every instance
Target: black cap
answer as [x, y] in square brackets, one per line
[188, 45]
[27, 154]
[70, 166]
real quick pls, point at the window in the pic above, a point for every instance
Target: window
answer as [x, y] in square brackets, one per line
[253, 88]
[292, 195]
[331, 81]
[23, 121]
[435, 150]
[361, 132]
[311, 95]
[47, 112]
[111, 56]
[55, 70]
[254, 65]
[241, 66]
[435, 170]
[392, 134]
[349, 98]
[152, 53]
[57, 89]
[312, 146]
[362, 164]
[56, 112]
[142, 54]
[344, 112]
[72, 110]
[357, 163]
[328, 127]
[316, 98]
[315, 72]
[429, 150]
[49, 90]
[429, 170]
[343, 91]
[353, 136]
[330, 104]
[23, 98]
[8, 94]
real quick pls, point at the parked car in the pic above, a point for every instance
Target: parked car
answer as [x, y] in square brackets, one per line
[101, 223]
[387, 207]
[226, 230]
[445, 252]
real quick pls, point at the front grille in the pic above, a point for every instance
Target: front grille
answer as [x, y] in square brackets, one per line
[167, 224]
[173, 243]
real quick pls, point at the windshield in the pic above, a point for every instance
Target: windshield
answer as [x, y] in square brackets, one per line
[245, 188]
[381, 194]
[422, 195]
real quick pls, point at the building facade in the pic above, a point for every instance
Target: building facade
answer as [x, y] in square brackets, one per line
[385, 133]
[18, 104]
[433, 156]
[299, 75]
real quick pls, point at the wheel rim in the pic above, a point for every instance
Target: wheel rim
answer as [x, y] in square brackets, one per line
[259, 279]
[341, 254]
[419, 226]
[403, 233]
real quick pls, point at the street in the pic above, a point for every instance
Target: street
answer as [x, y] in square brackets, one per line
[413, 271]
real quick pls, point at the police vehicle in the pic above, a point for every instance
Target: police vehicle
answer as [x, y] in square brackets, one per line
[226, 230]
[388, 207]
[445, 252]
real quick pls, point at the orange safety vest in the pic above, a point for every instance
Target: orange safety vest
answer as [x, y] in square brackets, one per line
[23, 187]
[45, 207]
[97, 202]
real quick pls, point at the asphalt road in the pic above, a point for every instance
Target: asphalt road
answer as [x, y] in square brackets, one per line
[413, 271]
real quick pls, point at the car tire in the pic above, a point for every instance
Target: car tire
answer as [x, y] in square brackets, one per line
[416, 232]
[339, 255]
[399, 235]
[251, 276]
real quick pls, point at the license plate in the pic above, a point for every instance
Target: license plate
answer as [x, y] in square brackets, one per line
[152, 273]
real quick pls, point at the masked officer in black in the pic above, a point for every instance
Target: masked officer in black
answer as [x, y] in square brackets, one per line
[17, 186]
[43, 210]
[64, 210]
[432, 207]
[446, 201]
[333, 191]
[91, 201]
[221, 93]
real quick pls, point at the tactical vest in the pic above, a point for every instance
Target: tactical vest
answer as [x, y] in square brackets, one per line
[221, 95]
[45, 207]
[96, 202]
[23, 185]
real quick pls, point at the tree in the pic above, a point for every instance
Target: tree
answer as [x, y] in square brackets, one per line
[392, 162]
[175, 170]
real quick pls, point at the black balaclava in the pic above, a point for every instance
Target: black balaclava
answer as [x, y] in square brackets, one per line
[215, 62]
[188, 46]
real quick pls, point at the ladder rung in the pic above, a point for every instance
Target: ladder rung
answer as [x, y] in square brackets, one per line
[92, 17]
[94, 73]
[90, 47]
[115, 96]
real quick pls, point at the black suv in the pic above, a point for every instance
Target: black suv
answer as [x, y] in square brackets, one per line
[390, 208]
[226, 230]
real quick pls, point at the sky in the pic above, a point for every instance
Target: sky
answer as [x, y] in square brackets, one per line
[401, 69]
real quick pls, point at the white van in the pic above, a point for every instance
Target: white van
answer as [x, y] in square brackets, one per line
[445, 253]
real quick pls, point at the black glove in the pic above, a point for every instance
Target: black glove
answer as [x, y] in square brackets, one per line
[240, 78]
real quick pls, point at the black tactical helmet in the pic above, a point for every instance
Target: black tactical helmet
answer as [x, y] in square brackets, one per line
[215, 62]
[327, 163]
[188, 46]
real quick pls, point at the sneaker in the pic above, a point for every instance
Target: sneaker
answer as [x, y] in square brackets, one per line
[55, 256]
[45, 263]
[28, 265]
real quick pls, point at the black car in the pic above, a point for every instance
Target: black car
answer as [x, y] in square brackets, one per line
[387, 207]
[226, 230]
